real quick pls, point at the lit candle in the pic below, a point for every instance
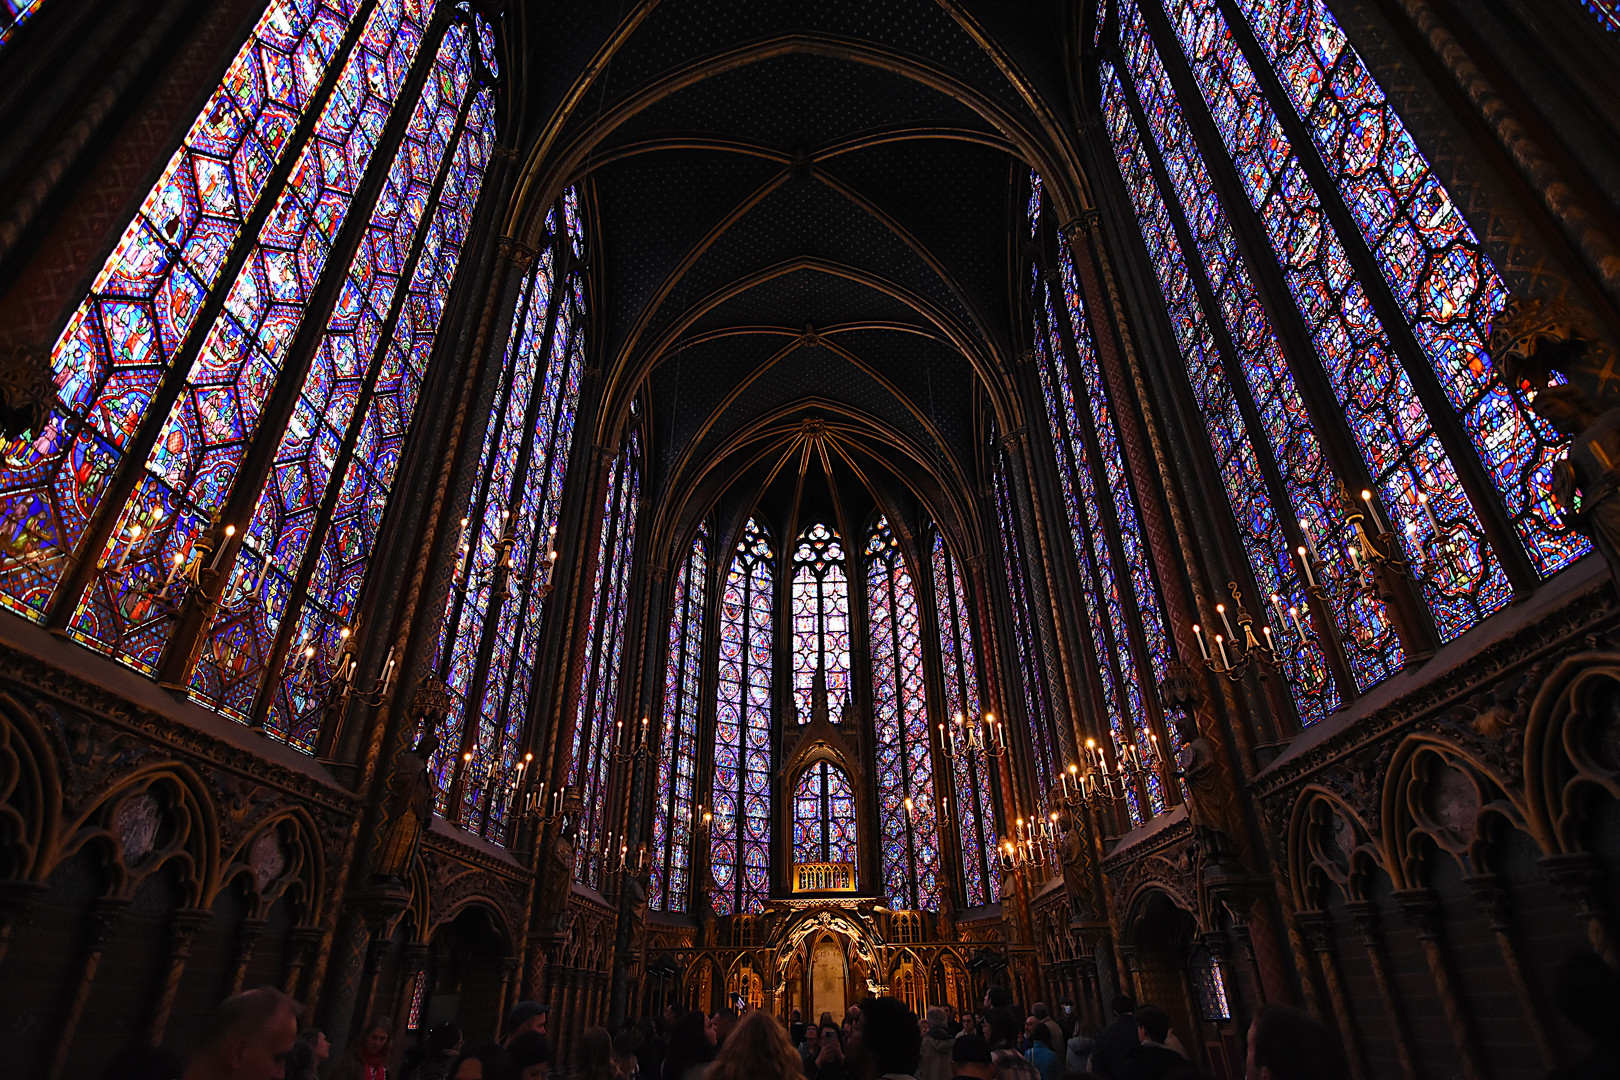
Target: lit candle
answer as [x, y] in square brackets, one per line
[1220, 609]
[1310, 578]
[1434, 523]
[388, 671]
[1372, 511]
[1276, 605]
[179, 561]
[1220, 647]
[1266, 630]
[1153, 744]
[1199, 634]
[134, 538]
[1355, 558]
[219, 552]
[1294, 612]
[1305, 531]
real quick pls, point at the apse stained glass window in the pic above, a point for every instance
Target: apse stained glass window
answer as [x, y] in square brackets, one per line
[823, 816]
[820, 620]
[1606, 12]
[739, 836]
[908, 820]
[674, 804]
[598, 729]
[252, 379]
[1036, 679]
[504, 552]
[971, 781]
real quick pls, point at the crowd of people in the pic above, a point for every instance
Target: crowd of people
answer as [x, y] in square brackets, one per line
[256, 1036]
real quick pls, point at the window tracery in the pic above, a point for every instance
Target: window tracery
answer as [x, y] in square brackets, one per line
[824, 816]
[820, 620]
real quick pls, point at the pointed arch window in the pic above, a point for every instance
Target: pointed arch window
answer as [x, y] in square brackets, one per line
[13, 13]
[740, 834]
[674, 807]
[973, 785]
[908, 820]
[1606, 12]
[599, 691]
[254, 348]
[489, 639]
[1261, 150]
[820, 620]
[824, 816]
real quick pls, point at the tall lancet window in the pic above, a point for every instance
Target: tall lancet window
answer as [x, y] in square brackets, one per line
[973, 784]
[823, 816]
[908, 820]
[1330, 305]
[235, 390]
[740, 834]
[489, 640]
[1124, 618]
[598, 720]
[13, 13]
[1038, 682]
[820, 621]
[674, 805]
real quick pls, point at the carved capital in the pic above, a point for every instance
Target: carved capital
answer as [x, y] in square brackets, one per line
[1365, 917]
[27, 391]
[1013, 441]
[1316, 927]
[1579, 878]
[515, 251]
[1422, 910]
[184, 927]
[104, 918]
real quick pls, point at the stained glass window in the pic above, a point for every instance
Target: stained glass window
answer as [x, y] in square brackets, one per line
[972, 782]
[1607, 13]
[13, 13]
[239, 201]
[192, 468]
[1372, 377]
[1117, 583]
[145, 301]
[504, 551]
[1034, 679]
[674, 805]
[823, 816]
[820, 620]
[598, 727]
[908, 821]
[739, 845]
[352, 414]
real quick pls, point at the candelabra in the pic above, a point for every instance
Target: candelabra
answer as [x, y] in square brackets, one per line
[639, 746]
[500, 551]
[962, 738]
[1246, 650]
[1028, 848]
[1098, 786]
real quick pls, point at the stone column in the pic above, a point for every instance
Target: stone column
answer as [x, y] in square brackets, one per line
[1423, 913]
[183, 930]
[1366, 920]
[1492, 898]
[104, 918]
[247, 939]
[301, 944]
[1317, 928]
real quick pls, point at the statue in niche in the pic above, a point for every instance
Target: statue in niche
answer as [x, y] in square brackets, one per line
[1212, 803]
[1074, 855]
[412, 792]
[1531, 341]
[557, 882]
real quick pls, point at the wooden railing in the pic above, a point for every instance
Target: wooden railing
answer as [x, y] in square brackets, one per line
[824, 877]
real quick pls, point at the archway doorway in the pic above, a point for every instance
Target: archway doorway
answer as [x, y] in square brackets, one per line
[829, 977]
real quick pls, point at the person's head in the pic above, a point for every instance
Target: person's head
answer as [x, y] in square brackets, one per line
[1152, 1023]
[444, 1039]
[852, 1014]
[796, 1016]
[890, 1040]
[997, 997]
[724, 1021]
[691, 1041]
[531, 1055]
[1003, 1028]
[831, 1047]
[249, 1037]
[373, 1042]
[596, 1052]
[320, 1047]
[1067, 1007]
[1039, 1032]
[826, 1018]
[1286, 1044]
[488, 1062]
[970, 1056]
[524, 1017]
[757, 1049]
[1123, 1004]
[626, 1048]
[937, 1017]
[1038, 1010]
[812, 1038]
